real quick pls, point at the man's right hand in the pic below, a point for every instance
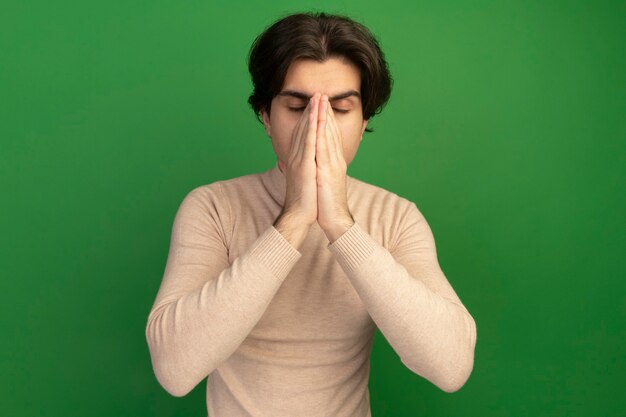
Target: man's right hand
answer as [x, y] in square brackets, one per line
[301, 193]
[300, 208]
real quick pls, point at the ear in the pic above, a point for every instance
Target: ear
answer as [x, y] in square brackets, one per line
[266, 122]
[363, 128]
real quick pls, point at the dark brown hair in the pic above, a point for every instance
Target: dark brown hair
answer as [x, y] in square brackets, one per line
[317, 36]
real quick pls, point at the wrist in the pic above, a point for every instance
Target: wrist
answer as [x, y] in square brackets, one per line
[336, 230]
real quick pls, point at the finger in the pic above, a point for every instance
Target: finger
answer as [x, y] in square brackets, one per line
[335, 133]
[322, 132]
[323, 114]
[308, 152]
[296, 140]
[301, 126]
[328, 136]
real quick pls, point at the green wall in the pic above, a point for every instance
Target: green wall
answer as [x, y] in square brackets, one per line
[506, 126]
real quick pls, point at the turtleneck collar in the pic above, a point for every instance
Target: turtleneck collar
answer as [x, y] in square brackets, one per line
[276, 183]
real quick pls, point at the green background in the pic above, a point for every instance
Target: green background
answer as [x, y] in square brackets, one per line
[506, 127]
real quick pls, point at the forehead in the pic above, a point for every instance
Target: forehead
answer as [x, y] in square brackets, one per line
[331, 77]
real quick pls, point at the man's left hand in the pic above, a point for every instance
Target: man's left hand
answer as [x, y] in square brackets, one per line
[333, 213]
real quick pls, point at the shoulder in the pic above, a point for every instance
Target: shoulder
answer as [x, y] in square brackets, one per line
[206, 201]
[379, 199]
[393, 217]
[205, 211]
[221, 197]
[220, 189]
[209, 194]
[234, 190]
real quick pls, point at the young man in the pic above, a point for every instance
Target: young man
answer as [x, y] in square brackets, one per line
[276, 282]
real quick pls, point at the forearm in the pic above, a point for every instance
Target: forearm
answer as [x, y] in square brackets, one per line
[192, 334]
[433, 335]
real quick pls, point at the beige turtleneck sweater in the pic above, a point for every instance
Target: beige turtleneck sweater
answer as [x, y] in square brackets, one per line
[280, 331]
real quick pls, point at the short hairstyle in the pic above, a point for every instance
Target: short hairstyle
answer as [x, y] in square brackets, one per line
[317, 36]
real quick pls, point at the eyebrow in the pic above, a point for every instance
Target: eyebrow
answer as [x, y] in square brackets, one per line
[304, 96]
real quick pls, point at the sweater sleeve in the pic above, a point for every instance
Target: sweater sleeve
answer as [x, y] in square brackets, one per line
[205, 308]
[411, 301]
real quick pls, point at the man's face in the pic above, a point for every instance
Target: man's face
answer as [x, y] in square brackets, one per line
[304, 78]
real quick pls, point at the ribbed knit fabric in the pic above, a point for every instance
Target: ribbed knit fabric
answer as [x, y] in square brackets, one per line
[280, 331]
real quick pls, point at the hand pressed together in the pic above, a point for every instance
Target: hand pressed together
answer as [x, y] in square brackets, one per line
[333, 213]
[316, 171]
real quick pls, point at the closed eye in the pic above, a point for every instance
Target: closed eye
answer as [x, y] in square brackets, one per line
[299, 109]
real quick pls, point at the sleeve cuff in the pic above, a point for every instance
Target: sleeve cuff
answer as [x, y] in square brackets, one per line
[353, 248]
[275, 252]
